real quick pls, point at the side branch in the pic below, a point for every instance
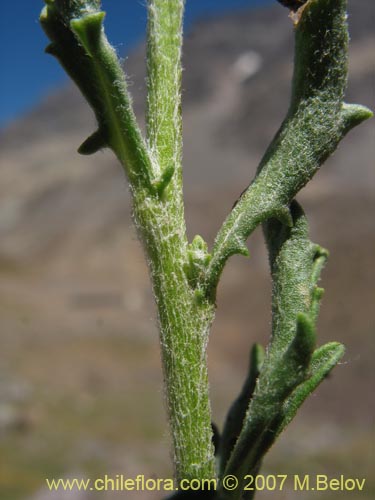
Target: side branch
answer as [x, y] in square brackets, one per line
[316, 122]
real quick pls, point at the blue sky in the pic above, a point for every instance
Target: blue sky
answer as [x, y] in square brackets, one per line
[27, 73]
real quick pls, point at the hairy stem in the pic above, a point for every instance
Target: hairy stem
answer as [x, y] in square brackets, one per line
[164, 41]
[184, 321]
[184, 326]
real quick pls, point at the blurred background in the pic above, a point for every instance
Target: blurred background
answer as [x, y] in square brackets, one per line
[80, 378]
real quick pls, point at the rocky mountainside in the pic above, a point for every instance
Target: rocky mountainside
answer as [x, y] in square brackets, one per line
[76, 311]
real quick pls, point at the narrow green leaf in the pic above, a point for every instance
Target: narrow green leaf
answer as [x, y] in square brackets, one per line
[316, 122]
[78, 41]
[295, 264]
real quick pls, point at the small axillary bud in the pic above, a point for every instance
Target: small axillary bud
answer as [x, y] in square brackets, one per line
[198, 259]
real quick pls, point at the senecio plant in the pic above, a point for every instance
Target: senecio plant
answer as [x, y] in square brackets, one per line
[185, 275]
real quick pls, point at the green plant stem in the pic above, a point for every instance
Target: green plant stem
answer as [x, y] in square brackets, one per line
[184, 327]
[184, 320]
[164, 123]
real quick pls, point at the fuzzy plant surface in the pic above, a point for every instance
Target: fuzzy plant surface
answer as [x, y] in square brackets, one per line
[185, 275]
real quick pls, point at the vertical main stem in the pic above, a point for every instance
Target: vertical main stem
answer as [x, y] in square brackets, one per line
[184, 321]
[184, 326]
